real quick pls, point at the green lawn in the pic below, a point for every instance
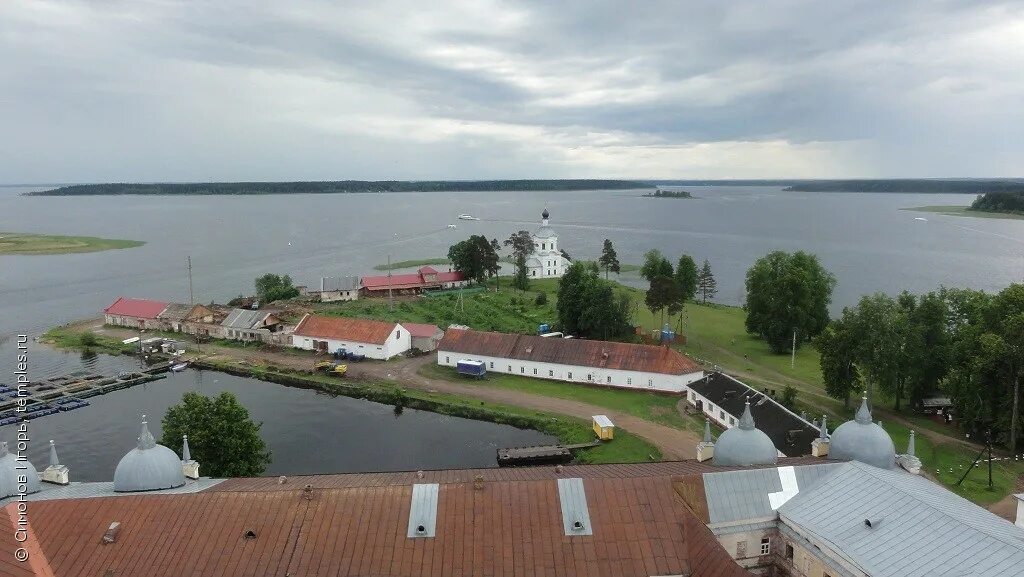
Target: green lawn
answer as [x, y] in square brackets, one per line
[658, 408]
[40, 244]
[64, 338]
[413, 263]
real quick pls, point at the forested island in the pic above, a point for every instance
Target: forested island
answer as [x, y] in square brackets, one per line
[337, 186]
[919, 185]
[1010, 202]
[668, 194]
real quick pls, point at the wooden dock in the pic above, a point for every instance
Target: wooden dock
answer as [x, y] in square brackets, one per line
[68, 392]
[540, 454]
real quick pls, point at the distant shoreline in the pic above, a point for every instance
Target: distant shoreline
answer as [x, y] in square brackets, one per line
[338, 187]
[965, 211]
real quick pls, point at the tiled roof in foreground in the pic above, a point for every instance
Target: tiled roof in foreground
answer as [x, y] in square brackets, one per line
[511, 524]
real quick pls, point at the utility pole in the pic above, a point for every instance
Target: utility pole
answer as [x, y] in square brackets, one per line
[191, 298]
[391, 300]
[792, 356]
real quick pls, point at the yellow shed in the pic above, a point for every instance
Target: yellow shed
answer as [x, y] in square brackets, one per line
[603, 428]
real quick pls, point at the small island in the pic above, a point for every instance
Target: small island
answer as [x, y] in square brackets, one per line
[40, 244]
[668, 194]
[996, 204]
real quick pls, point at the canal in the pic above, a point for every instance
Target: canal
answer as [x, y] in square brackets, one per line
[307, 431]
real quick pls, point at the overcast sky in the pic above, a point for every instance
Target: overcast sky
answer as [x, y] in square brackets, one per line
[98, 91]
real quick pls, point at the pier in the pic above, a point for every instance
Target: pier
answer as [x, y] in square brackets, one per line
[68, 392]
[540, 454]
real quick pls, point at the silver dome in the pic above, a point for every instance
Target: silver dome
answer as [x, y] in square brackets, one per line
[745, 445]
[148, 467]
[545, 231]
[10, 471]
[864, 441]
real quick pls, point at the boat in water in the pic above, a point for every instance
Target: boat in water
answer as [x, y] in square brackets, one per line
[467, 217]
[179, 367]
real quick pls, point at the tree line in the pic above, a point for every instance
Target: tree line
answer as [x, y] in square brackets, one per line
[1000, 201]
[964, 343]
[338, 186]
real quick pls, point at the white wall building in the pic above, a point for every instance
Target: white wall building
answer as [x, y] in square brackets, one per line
[343, 288]
[645, 367]
[547, 260]
[375, 339]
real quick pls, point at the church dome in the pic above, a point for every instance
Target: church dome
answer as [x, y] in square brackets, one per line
[864, 441]
[745, 444]
[545, 213]
[10, 471]
[148, 467]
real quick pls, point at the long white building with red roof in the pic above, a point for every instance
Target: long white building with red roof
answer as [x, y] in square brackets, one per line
[135, 313]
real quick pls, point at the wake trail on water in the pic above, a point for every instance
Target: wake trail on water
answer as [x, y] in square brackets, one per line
[985, 232]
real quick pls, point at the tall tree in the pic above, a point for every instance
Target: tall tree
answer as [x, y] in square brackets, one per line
[686, 277]
[589, 305]
[787, 294]
[221, 435]
[271, 287]
[475, 257]
[609, 259]
[706, 283]
[522, 247]
[838, 363]
[663, 292]
[655, 265]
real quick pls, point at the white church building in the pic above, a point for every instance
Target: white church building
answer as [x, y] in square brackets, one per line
[547, 260]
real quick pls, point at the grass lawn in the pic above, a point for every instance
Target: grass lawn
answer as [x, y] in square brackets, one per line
[64, 338]
[965, 211]
[413, 263]
[652, 407]
[38, 244]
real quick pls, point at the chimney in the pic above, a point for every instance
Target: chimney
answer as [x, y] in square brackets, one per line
[706, 448]
[188, 466]
[820, 446]
[55, 473]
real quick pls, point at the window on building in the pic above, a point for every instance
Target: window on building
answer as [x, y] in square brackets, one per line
[510, 368]
[609, 380]
[492, 364]
[590, 377]
[542, 246]
[535, 371]
[721, 415]
[522, 370]
[650, 382]
[446, 360]
[398, 335]
[570, 375]
[629, 380]
[732, 421]
[551, 373]
[741, 549]
[766, 546]
[789, 551]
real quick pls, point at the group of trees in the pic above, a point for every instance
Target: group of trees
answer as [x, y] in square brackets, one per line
[271, 287]
[966, 343]
[221, 435]
[670, 288]
[787, 299]
[1002, 201]
[589, 306]
[475, 257]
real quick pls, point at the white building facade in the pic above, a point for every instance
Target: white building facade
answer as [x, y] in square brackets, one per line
[375, 339]
[547, 260]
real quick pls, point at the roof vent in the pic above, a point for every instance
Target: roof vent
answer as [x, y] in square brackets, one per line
[873, 523]
[423, 510]
[111, 535]
[529, 350]
[575, 514]
[249, 535]
[307, 492]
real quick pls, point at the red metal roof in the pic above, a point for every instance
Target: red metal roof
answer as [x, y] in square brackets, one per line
[511, 525]
[138, 308]
[410, 280]
[420, 329]
[579, 352]
[345, 329]
[451, 276]
[427, 270]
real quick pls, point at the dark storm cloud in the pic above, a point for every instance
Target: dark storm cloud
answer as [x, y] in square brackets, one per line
[233, 90]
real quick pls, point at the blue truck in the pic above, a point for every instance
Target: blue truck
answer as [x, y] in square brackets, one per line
[471, 368]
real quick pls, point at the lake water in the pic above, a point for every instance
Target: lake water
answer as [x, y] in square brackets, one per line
[864, 239]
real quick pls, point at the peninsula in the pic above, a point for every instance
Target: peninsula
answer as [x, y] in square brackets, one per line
[39, 244]
[338, 186]
[914, 185]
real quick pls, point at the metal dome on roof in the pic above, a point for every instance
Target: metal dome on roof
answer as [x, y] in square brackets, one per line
[148, 467]
[10, 471]
[545, 213]
[745, 444]
[864, 441]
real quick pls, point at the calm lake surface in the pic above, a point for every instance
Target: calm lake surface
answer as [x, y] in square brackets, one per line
[864, 239]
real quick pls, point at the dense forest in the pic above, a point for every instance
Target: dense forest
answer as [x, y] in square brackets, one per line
[337, 186]
[1000, 201]
[910, 185]
[669, 194]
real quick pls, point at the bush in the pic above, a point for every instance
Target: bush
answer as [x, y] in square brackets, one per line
[541, 300]
[87, 340]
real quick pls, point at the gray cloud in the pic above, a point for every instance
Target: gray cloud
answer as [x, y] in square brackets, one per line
[107, 91]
